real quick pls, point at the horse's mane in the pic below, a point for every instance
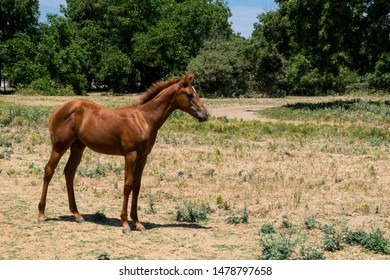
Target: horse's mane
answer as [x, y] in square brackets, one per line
[157, 87]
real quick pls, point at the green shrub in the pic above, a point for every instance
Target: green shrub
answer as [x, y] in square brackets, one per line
[310, 223]
[332, 239]
[43, 86]
[356, 237]
[311, 254]
[267, 229]
[242, 219]
[192, 212]
[377, 243]
[277, 247]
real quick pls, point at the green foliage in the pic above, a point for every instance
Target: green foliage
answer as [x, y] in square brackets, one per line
[18, 16]
[314, 48]
[103, 256]
[311, 254]
[356, 237]
[332, 239]
[277, 247]
[222, 69]
[310, 222]
[192, 212]
[380, 78]
[303, 48]
[241, 219]
[374, 241]
[19, 114]
[267, 229]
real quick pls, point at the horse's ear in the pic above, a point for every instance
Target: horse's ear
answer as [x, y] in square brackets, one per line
[187, 79]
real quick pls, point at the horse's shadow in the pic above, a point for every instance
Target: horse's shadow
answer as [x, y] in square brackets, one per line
[115, 222]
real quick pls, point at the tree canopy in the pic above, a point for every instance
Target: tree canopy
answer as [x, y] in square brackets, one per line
[301, 48]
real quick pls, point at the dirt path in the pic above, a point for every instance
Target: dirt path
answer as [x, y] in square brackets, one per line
[240, 112]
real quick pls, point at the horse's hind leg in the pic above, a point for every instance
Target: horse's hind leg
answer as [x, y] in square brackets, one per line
[56, 154]
[76, 153]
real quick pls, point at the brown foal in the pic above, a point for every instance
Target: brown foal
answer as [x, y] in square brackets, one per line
[129, 131]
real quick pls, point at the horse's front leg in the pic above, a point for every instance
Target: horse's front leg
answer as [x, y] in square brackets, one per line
[130, 162]
[139, 168]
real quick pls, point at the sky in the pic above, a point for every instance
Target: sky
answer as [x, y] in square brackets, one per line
[244, 12]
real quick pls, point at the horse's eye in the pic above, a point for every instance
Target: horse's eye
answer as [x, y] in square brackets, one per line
[190, 94]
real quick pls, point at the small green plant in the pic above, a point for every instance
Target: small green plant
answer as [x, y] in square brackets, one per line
[192, 212]
[267, 229]
[277, 247]
[6, 154]
[332, 239]
[242, 219]
[219, 200]
[103, 256]
[10, 171]
[356, 237]
[285, 222]
[365, 208]
[32, 169]
[377, 243]
[100, 170]
[311, 254]
[310, 223]
[374, 241]
[297, 197]
[151, 203]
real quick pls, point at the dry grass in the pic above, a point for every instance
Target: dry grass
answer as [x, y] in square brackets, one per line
[343, 182]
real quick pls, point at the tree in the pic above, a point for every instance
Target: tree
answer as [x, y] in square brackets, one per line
[318, 44]
[222, 68]
[167, 47]
[18, 16]
[17, 19]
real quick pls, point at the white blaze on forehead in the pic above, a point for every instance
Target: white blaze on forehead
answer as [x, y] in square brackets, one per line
[193, 88]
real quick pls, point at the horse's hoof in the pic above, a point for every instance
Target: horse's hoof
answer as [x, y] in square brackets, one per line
[126, 231]
[41, 221]
[141, 228]
[81, 220]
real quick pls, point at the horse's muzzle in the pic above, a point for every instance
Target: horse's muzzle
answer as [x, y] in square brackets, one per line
[203, 116]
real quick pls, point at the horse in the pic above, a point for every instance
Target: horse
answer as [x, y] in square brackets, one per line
[129, 131]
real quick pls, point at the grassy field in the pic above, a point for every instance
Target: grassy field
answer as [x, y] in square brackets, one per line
[309, 179]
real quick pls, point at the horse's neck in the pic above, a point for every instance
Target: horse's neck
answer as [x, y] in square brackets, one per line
[157, 110]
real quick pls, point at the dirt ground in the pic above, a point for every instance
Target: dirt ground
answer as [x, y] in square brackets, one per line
[273, 178]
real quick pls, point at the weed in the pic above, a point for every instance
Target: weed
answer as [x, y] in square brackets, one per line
[267, 229]
[226, 205]
[98, 171]
[286, 222]
[377, 243]
[277, 247]
[103, 256]
[332, 239]
[32, 169]
[297, 197]
[192, 212]
[310, 223]
[6, 154]
[365, 208]
[151, 203]
[10, 171]
[242, 219]
[374, 241]
[311, 254]
[356, 237]
[219, 200]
